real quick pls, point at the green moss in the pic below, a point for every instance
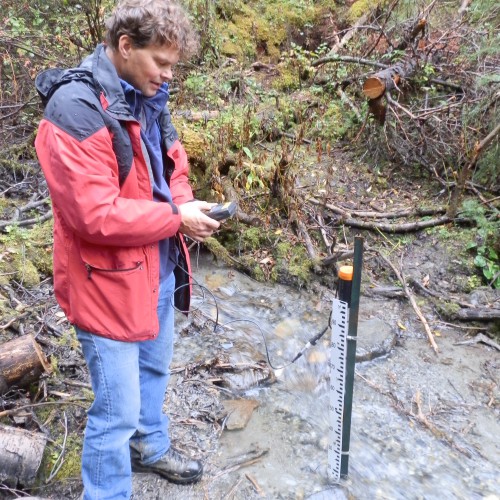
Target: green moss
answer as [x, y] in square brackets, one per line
[219, 251]
[263, 28]
[252, 239]
[288, 79]
[26, 271]
[71, 460]
[40, 249]
[448, 309]
[54, 365]
[292, 264]
[361, 7]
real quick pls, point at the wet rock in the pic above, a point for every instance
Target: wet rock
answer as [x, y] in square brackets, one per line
[239, 412]
[375, 339]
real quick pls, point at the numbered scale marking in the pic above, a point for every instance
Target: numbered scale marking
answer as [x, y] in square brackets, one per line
[338, 350]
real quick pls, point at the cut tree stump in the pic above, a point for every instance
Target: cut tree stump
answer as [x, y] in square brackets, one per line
[21, 453]
[22, 361]
[387, 79]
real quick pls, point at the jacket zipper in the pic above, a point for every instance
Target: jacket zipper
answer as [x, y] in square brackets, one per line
[90, 269]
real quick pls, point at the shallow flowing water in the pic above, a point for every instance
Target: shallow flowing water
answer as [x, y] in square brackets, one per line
[452, 451]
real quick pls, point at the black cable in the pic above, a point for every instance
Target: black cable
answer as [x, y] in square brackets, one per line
[308, 344]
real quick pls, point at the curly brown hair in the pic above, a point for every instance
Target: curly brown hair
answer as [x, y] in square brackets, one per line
[152, 22]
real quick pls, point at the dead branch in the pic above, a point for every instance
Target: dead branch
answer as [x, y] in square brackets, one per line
[467, 168]
[256, 486]
[22, 362]
[351, 59]
[418, 28]
[478, 314]
[440, 296]
[26, 222]
[345, 99]
[480, 337]
[303, 234]
[409, 212]
[248, 458]
[329, 243]
[13, 411]
[350, 33]
[407, 227]
[21, 452]
[420, 417]
[336, 257]
[463, 7]
[401, 277]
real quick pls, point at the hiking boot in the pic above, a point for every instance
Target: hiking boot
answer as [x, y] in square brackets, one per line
[173, 465]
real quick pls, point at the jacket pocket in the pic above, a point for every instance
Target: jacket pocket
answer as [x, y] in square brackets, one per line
[90, 269]
[114, 294]
[108, 259]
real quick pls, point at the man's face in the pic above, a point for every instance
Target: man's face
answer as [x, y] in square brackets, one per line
[146, 68]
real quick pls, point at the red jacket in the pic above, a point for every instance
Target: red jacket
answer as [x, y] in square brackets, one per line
[106, 224]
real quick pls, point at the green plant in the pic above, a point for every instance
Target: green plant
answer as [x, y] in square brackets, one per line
[486, 248]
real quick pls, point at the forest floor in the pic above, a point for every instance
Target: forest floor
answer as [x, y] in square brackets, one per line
[435, 262]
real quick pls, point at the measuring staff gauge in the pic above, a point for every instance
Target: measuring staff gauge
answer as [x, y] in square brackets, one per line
[338, 350]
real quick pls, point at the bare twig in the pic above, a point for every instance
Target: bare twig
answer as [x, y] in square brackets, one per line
[400, 276]
[60, 459]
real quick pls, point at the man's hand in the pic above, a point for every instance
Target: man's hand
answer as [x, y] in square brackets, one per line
[195, 223]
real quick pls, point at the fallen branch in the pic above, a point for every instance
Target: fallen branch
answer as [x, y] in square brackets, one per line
[350, 33]
[421, 418]
[418, 28]
[357, 60]
[27, 222]
[245, 460]
[401, 277]
[21, 453]
[256, 486]
[480, 338]
[456, 196]
[13, 411]
[410, 212]
[337, 256]
[407, 227]
[478, 314]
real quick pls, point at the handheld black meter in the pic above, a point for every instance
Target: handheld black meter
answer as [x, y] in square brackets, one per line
[222, 210]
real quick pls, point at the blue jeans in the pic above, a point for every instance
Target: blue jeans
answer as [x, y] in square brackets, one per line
[129, 380]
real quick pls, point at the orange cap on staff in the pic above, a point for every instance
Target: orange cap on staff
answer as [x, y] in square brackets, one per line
[345, 273]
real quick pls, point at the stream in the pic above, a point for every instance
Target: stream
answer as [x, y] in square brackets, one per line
[424, 426]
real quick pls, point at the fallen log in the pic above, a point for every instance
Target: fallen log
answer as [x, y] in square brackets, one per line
[21, 453]
[387, 79]
[407, 227]
[478, 314]
[22, 361]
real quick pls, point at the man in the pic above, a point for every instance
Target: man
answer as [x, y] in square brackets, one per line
[117, 176]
